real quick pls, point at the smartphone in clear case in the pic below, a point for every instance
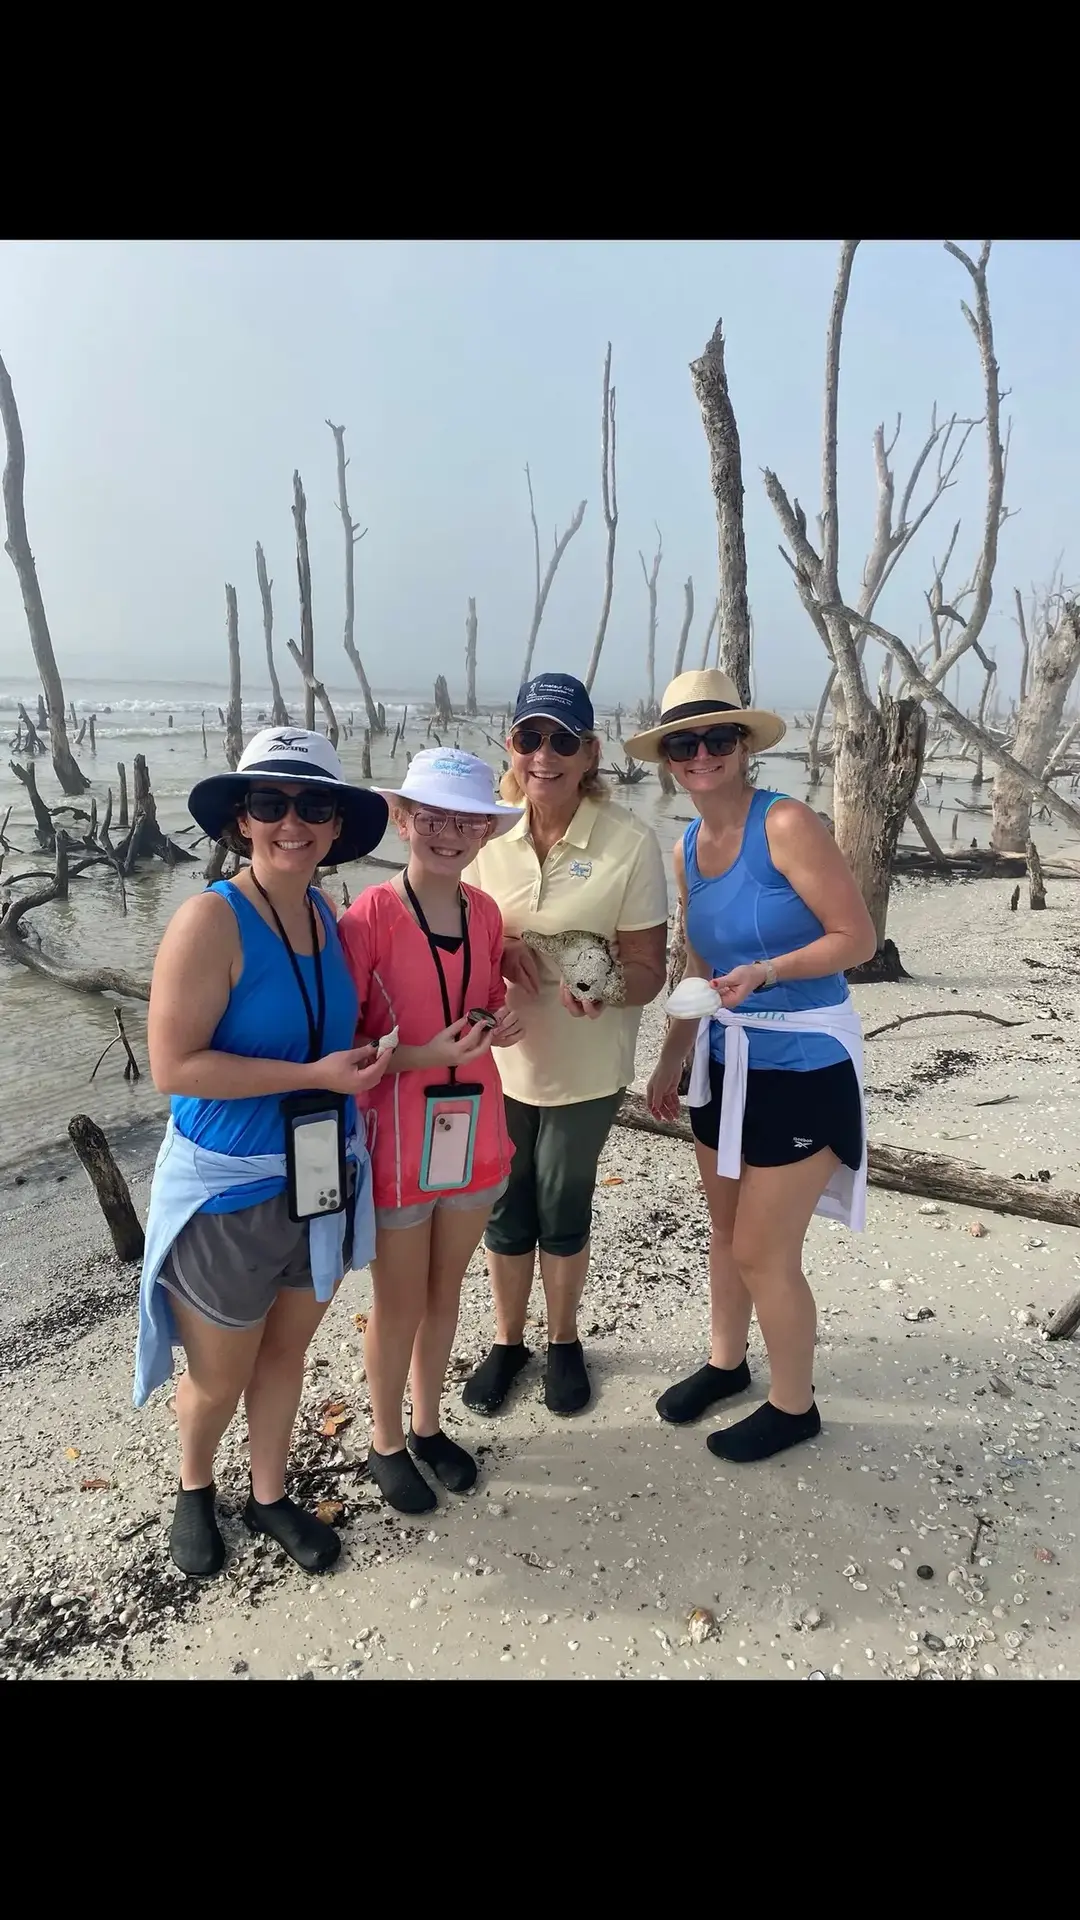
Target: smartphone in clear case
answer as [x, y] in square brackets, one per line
[450, 1120]
[315, 1154]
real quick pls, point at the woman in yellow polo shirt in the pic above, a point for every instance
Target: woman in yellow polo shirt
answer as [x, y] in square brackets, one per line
[574, 863]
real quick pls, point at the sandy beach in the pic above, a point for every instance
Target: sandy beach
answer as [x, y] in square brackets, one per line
[930, 1533]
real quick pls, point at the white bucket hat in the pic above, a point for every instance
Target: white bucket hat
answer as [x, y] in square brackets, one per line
[453, 782]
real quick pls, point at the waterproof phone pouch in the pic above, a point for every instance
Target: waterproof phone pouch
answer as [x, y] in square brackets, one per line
[451, 1112]
[315, 1154]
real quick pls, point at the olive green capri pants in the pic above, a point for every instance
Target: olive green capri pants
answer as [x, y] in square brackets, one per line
[549, 1195]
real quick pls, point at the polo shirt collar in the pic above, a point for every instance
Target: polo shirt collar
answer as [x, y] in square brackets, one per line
[577, 833]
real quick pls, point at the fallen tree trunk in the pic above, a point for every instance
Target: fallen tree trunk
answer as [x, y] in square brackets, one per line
[109, 1184]
[83, 980]
[928, 1176]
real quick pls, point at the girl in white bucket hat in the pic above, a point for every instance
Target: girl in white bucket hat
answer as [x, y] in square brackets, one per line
[450, 781]
[426, 956]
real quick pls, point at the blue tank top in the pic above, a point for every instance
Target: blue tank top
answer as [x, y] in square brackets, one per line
[265, 1020]
[750, 913]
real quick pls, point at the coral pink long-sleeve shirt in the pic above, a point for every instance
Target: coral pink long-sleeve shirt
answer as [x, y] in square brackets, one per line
[395, 977]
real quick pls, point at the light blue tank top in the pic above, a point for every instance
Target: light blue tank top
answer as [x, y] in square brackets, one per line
[750, 913]
[265, 1020]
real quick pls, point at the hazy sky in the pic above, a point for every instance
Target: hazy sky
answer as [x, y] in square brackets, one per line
[168, 389]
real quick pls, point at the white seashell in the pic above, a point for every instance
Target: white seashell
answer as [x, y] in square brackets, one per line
[693, 999]
[389, 1041]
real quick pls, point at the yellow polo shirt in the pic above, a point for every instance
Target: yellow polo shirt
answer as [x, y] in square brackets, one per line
[605, 876]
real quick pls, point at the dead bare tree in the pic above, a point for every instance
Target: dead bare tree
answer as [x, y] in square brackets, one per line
[1054, 660]
[17, 546]
[878, 748]
[651, 712]
[315, 691]
[353, 536]
[471, 707]
[709, 377]
[684, 631]
[234, 715]
[610, 499]
[1025, 645]
[279, 712]
[543, 587]
[307, 625]
[713, 618]
[43, 821]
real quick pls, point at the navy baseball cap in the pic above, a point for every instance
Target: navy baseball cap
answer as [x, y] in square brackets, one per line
[558, 697]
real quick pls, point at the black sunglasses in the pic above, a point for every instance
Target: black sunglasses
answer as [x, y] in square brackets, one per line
[531, 739]
[717, 742]
[269, 805]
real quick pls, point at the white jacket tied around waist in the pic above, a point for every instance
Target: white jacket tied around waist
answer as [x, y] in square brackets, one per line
[844, 1198]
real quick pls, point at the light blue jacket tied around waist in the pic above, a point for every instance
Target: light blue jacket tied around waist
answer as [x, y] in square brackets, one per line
[185, 1177]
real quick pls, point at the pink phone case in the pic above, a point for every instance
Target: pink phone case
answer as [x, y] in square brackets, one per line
[448, 1159]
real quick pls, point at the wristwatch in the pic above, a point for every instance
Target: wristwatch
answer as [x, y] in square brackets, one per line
[770, 977]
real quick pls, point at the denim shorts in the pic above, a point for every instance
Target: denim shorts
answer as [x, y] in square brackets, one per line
[549, 1195]
[453, 1202]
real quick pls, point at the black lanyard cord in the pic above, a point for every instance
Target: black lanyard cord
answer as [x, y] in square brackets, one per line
[316, 1021]
[466, 953]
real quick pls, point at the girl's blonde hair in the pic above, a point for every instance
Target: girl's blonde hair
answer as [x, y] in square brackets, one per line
[592, 786]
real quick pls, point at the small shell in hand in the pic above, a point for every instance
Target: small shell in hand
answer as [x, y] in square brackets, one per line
[389, 1041]
[693, 999]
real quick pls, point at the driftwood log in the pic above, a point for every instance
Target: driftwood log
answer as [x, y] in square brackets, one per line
[14, 943]
[928, 1176]
[109, 1184]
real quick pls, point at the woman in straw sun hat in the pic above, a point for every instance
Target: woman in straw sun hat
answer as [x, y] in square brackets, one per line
[425, 952]
[773, 918]
[252, 1003]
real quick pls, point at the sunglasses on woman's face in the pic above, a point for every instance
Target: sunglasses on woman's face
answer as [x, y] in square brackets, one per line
[717, 741]
[531, 739]
[467, 826]
[269, 805]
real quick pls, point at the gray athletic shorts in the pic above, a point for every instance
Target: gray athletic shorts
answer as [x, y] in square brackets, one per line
[229, 1267]
[453, 1202]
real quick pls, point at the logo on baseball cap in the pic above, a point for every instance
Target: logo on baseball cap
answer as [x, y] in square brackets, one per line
[558, 697]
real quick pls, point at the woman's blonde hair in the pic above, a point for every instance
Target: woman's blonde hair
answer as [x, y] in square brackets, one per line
[592, 786]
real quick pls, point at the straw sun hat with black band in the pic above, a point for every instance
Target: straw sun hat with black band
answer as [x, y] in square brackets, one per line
[293, 755]
[705, 698]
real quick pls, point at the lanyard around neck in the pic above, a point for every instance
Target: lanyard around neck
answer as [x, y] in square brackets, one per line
[466, 952]
[316, 1021]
